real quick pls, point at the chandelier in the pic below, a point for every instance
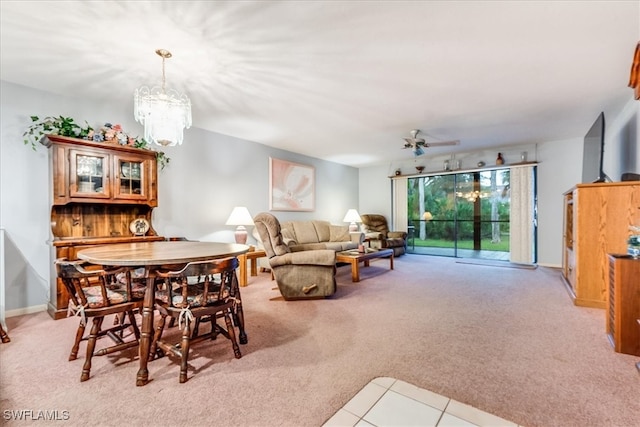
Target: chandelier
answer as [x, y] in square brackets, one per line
[165, 113]
[472, 196]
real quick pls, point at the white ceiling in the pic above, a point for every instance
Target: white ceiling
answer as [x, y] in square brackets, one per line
[344, 81]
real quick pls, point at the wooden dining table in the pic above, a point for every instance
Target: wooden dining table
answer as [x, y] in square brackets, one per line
[153, 256]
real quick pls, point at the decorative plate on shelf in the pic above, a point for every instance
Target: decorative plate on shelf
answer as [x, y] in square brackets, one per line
[139, 226]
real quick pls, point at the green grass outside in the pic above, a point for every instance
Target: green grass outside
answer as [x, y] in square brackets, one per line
[486, 245]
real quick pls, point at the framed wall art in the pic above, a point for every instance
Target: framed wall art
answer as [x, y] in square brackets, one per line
[291, 186]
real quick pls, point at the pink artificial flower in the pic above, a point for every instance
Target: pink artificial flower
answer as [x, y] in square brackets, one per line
[117, 128]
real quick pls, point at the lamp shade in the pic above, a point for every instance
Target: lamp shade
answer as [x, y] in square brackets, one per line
[352, 216]
[240, 216]
[427, 216]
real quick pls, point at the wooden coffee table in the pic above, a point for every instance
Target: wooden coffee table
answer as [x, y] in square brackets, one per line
[354, 258]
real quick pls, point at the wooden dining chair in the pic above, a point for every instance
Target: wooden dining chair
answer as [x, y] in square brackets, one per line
[201, 292]
[3, 335]
[96, 293]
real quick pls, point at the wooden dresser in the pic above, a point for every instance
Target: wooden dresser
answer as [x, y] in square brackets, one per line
[596, 223]
[98, 190]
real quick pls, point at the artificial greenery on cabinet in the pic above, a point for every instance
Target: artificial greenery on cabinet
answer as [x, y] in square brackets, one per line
[66, 126]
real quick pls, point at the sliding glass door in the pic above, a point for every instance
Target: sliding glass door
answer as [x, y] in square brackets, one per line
[432, 215]
[465, 214]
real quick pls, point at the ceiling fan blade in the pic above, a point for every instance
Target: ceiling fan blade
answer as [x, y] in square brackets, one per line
[437, 144]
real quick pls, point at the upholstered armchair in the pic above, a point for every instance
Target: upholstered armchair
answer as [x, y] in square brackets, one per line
[299, 275]
[376, 232]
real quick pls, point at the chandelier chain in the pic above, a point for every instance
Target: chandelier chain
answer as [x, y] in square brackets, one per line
[163, 75]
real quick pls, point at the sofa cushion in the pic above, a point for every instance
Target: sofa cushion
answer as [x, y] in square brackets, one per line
[341, 246]
[322, 230]
[339, 233]
[301, 231]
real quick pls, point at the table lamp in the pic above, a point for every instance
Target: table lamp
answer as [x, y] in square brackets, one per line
[352, 216]
[240, 216]
[427, 216]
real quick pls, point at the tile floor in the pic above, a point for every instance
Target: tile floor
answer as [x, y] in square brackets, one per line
[390, 402]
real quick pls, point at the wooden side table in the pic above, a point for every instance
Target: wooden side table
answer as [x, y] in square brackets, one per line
[252, 257]
[624, 304]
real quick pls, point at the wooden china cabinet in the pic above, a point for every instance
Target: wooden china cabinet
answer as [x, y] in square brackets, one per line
[101, 193]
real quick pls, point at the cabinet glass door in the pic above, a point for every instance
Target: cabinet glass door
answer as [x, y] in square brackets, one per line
[88, 175]
[131, 182]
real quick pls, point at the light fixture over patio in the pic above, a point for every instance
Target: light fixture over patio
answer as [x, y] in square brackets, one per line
[165, 113]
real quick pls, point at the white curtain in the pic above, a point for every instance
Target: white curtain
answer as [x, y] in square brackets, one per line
[399, 200]
[522, 215]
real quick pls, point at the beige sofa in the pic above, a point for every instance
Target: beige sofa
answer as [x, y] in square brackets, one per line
[317, 234]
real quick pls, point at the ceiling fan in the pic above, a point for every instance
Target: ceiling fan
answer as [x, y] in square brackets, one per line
[417, 144]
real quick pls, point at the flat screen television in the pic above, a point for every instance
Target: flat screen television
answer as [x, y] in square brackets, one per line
[593, 153]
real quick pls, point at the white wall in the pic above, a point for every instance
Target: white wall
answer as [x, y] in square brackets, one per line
[622, 146]
[207, 176]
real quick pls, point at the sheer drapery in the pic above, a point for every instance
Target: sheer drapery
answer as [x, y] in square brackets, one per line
[399, 199]
[522, 215]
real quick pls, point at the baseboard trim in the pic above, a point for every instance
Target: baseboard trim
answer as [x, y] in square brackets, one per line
[544, 264]
[494, 263]
[25, 310]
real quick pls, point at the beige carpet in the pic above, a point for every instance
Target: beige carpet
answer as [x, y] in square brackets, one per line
[507, 341]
